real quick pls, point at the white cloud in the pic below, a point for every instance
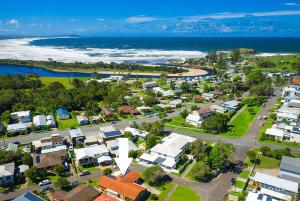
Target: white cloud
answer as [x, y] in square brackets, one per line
[291, 4]
[140, 19]
[100, 19]
[13, 22]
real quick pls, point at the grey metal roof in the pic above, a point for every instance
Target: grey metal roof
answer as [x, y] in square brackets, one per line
[290, 164]
[28, 196]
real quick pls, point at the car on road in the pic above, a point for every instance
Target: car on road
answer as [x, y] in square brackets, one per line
[264, 117]
[259, 118]
[45, 182]
[84, 173]
[261, 124]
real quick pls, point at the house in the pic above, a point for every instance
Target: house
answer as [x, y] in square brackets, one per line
[125, 109]
[107, 113]
[80, 193]
[28, 196]
[46, 143]
[113, 146]
[21, 169]
[7, 174]
[40, 121]
[199, 98]
[150, 85]
[18, 127]
[231, 105]
[76, 136]
[289, 113]
[21, 116]
[275, 134]
[137, 133]
[295, 82]
[218, 109]
[123, 187]
[198, 116]
[290, 169]
[144, 109]
[104, 197]
[93, 155]
[82, 120]
[163, 92]
[50, 159]
[91, 140]
[95, 119]
[176, 103]
[275, 187]
[294, 103]
[208, 96]
[167, 153]
[50, 121]
[62, 113]
[109, 133]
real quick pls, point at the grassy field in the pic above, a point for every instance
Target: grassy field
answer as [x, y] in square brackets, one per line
[244, 174]
[67, 123]
[239, 184]
[66, 81]
[164, 191]
[267, 162]
[237, 127]
[183, 193]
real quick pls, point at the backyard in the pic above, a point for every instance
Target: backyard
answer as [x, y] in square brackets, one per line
[183, 193]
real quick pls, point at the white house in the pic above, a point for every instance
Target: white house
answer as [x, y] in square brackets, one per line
[7, 173]
[18, 127]
[208, 96]
[198, 116]
[53, 141]
[93, 155]
[40, 121]
[82, 120]
[50, 121]
[275, 187]
[294, 103]
[166, 154]
[113, 146]
[175, 103]
[21, 116]
[275, 133]
[218, 109]
[136, 132]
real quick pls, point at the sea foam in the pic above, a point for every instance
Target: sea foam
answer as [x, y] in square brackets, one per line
[21, 49]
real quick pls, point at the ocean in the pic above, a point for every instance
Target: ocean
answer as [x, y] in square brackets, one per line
[205, 44]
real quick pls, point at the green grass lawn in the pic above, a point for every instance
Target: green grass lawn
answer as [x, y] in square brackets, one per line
[164, 189]
[239, 184]
[267, 162]
[66, 81]
[237, 127]
[91, 169]
[244, 174]
[67, 123]
[184, 193]
[93, 182]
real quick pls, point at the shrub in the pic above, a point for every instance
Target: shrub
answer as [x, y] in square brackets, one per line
[154, 175]
[107, 171]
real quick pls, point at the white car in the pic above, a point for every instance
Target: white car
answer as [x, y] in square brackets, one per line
[259, 118]
[44, 182]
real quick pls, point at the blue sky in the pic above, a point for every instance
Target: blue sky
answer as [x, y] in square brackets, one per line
[151, 17]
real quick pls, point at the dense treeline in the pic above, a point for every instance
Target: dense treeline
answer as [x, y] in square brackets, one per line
[46, 99]
[93, 67]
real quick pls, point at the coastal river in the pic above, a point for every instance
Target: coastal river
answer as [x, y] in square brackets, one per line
[27, 70]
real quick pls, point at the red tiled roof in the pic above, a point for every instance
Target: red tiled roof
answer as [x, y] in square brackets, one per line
[123, 185]
[295, 80]
[105, 197]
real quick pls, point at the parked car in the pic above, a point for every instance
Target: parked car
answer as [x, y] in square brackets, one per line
[259, 118]
[45, 182]
[264, 117]
[84, 172]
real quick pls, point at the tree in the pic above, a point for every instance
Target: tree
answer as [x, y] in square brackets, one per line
[162, 115]
[185, 87]
[184, 113]
[27, 159]
[35, 174]
[221, 155]
[107, 171]
[251, 155]
[61, 183]
[200, 171]
[59, 169]
[154, 175]
[135, 101]
[216, 123]
[134, 154]
[77, 83]
[150, 141]
[266, 151]
[197, 150]
[235, 55]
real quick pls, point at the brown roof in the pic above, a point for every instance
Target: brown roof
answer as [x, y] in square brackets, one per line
[123, 185]
[295, 80]
[80, 193]
[105, 197]
[53, 139]
[205, 110]
[50, 159]
[128, 110]
[198, 97]
[106, 111]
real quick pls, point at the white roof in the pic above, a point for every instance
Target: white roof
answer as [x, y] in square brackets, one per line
[172, 145]
[136, 132]
[194, 117]
[21, 113]
[58, 148]
[75, 133]
[104, 158]
[107, 129]
[289, 110]
[169, 162]
[7, 169]
[113, 146]
[39, 120]
[287, 115]
[276, 182]
[232, 103]
[50, 117]
[18, 126]
[218, 107]
[81, 117]
[257, 196]
[91, 139]
[148, 157]
[91, 151]
[275, 132]
[176, 102]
